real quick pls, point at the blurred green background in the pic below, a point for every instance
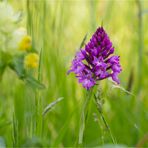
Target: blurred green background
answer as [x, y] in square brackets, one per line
[57, 28]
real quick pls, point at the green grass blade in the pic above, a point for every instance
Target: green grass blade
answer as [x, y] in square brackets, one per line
[51, 105]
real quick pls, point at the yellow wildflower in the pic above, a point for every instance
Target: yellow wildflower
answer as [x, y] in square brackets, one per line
[31, 60]
[25, 43]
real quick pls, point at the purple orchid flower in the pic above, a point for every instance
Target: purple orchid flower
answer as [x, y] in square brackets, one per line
[95, 62]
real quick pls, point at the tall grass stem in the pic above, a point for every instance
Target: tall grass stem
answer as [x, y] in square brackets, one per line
[140, 44]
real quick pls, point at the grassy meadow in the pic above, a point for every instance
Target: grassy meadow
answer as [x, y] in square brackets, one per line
[51, 116]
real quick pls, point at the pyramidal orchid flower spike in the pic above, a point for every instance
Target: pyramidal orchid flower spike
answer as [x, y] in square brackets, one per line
[96, 61]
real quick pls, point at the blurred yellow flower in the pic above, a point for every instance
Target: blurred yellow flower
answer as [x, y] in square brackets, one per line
[31, 60]
[25, 43]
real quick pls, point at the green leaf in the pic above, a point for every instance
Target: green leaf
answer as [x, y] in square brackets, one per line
[123, 89]
[17, 65]
[5, 58]
[33, 82]
[83, 41]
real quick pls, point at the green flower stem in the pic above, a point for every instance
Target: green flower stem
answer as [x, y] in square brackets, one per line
[84, 115]
[38, 102]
